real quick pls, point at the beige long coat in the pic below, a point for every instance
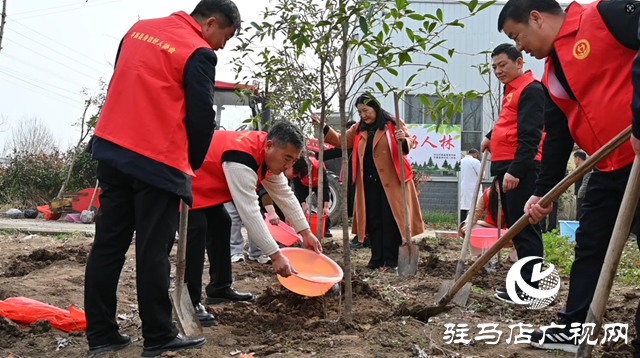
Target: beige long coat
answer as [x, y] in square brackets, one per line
[388, 177]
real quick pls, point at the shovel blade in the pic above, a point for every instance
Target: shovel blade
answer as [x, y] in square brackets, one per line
[185, 313]
[460, 298]
[408, 257]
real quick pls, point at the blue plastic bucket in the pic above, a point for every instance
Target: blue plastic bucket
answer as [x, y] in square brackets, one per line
[568, 229]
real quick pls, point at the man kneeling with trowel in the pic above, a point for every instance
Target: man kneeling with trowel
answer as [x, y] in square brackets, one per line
[235, 164]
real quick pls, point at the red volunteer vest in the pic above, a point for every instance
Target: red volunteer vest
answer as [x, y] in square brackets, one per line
[504, 139]
[145, 109]
[209, 185]
[393, 144]
[489, 218]
[315, 165]
[598, 70]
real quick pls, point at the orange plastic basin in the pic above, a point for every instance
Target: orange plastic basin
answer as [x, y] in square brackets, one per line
[282, 232]
[317, 273]
[484, 238]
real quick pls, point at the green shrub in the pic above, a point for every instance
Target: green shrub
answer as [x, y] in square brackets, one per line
[558, 250]
[29, 180]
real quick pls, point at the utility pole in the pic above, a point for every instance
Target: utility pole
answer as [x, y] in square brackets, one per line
[3, 20]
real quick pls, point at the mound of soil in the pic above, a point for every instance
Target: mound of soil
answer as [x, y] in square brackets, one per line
[38, 259]
[10, 333]
[40, 326]
[435, 267]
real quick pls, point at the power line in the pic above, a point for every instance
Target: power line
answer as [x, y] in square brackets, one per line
[61, 44]
[61, 11]
[50, 59]
[35, 67]
[35, 85]
[22, 75]
[42, 94]
[53, 8]
[56, 51]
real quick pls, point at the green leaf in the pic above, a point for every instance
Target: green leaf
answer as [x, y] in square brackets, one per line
[324, 23]
[425, 100]
[400, 25]
[457, 136]
[439, 14]
[437, 44]
[485, 5]
[439, 57]
[392, 71]
[411, 79]
[451, 52]
[364, 25]
[410, 34]
[385, 27]
[305, 105]
[359, 59]
[432, 26]
[472, 5]
[256, 26]
[380, 87]
[416, 17]
[432, 17]
[404, 57]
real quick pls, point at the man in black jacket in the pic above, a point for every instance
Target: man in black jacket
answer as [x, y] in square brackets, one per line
[589, 50]
[143, 177]
[515, 154]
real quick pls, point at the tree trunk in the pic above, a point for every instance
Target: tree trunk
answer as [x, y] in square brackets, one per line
[346, 250]
[323, 113]
[3, 20]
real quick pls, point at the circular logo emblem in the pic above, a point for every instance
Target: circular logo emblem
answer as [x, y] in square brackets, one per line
[509, 97]
[630, 8]
[533, 298]
[581, 49]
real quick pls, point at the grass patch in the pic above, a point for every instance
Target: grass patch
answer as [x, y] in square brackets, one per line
[629, 268]
[440, 220]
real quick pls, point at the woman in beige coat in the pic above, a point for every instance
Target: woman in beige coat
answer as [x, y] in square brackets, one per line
[378, 208]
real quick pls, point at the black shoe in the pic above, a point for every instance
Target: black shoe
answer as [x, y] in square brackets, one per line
[504, 296]
[356, 245]
[177, 344]
[555, 339]
[355, 240]
[373, 265]
[328, 234]
[391, 269]
[501, 290]
[206, 319]
[367, 242]
[229, 295]
[120, 341]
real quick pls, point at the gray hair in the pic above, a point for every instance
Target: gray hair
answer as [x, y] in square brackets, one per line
[284, 132]
[227, 8]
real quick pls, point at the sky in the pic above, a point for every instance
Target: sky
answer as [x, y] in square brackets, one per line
[54, 48]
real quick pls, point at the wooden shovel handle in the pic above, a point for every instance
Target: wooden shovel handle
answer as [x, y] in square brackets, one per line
[471, 215]
[181, 263]
[407, 228]
[612, 259]
[552, 195]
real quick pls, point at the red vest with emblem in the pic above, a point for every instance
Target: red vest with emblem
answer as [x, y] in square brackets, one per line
[598, 70]
[489, 218]
[504, 139]
[145, 107]
[210, 184]
[315, 165]
[393, 144]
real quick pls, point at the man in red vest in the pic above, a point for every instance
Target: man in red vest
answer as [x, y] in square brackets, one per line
[589, 51]
[235, 165]
[515, 149]
[153, 133]
[303, 178]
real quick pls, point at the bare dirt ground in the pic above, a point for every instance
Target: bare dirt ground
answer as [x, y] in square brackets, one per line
[280, 323]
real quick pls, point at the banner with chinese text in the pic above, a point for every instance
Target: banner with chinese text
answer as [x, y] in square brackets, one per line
[435, 149]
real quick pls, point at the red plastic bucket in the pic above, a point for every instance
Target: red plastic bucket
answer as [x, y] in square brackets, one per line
[314, 222]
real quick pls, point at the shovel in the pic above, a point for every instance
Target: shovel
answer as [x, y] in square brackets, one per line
[612, 259]
[605, 151]
[88, 216]
[463, 295]
[183, 308]
[408, 253]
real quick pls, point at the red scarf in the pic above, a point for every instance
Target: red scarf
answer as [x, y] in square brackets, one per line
[393, 144]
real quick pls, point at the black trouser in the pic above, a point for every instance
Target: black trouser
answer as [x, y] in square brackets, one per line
[463, 215]
[382, 228]
[550, 223]
[128, 205]
[579, 208]
[529, 241]
[209, 228]
[600, 210]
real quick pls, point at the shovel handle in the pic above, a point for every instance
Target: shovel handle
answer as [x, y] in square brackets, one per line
[471, 216]
[95, 190]
[181, 262]
[552, 195]
[612, 259]
[407, 228]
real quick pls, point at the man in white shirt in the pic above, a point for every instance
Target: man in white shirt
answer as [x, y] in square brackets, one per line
[469, 171]
[236, 163]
